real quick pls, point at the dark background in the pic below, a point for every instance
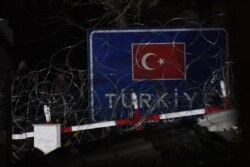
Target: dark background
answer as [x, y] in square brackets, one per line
[36, 40]
[38, 32]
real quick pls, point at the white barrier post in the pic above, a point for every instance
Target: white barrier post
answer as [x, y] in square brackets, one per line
[47, 137]
[47, 114]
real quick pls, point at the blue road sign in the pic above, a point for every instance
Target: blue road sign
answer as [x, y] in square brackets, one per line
[170, 70]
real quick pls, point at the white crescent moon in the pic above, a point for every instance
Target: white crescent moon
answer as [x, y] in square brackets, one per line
[144, 61]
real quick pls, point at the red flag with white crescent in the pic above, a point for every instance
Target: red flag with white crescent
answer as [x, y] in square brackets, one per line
[158, 61]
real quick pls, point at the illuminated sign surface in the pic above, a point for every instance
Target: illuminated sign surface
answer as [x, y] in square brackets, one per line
[168, 69]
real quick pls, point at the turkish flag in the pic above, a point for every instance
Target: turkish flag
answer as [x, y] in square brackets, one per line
[158, 61]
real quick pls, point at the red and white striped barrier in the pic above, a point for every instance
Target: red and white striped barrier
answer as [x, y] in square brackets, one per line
[137, 120]
[122, 122]
[47, 114]
[22, 136]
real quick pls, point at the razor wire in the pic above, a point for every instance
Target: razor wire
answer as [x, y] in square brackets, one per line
[64, 88]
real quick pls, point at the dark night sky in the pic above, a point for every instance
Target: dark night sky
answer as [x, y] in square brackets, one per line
[37, 39]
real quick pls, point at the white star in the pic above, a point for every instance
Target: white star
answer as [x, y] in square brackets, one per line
[161, 61]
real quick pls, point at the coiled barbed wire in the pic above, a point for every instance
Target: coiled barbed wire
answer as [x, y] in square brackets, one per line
[65, 89]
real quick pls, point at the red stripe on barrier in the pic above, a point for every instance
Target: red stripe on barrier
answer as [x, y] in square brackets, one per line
[125, 122]
[226, 105]
[66, 130]
[136, 120]
[214, 109]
